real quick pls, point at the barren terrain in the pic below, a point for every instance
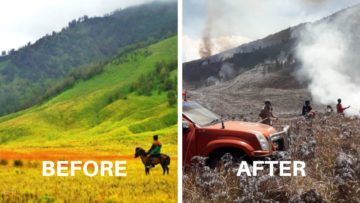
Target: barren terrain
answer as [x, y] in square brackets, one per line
[328, 144]
[330, 147]
[244, 96]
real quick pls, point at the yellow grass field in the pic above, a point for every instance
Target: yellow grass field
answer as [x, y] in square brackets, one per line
[27, 184]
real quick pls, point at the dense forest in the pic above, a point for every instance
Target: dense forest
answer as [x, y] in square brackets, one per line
[35, 69]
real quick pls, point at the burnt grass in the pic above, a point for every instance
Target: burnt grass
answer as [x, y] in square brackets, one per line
[328, 144]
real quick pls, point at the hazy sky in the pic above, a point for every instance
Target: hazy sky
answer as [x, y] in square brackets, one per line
[24, 21]
[245, 20]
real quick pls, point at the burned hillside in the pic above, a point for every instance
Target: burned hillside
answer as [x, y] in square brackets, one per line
[280, 50]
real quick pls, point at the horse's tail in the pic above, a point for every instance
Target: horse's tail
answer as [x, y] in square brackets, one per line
[167, 160]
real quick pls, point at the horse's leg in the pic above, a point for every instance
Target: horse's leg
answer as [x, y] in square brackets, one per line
[145, 170]
[164, 168]
[167, 164]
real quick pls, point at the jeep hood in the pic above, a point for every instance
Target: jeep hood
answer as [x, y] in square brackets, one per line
[250, 127]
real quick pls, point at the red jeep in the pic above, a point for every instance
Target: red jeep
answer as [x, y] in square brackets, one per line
[206, 134]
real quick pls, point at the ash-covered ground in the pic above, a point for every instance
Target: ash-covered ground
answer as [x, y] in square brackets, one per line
[330, 147]
[244, 95]
[329, 144]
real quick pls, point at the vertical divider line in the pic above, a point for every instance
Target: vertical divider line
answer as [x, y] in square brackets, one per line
[180, 82]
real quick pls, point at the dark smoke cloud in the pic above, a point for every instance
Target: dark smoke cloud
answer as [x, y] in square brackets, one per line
[206, 45]
[214, 13]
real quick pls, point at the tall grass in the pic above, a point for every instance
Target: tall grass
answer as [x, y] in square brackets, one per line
[28, 185]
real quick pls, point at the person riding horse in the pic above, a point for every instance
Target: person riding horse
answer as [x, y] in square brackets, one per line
[162, 159]
[153, 151]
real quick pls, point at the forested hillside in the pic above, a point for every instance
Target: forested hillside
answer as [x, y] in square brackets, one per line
[132, 99]
[28, 72]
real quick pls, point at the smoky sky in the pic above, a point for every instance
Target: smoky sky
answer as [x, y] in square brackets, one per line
[254, 19]
[24, 21]
[258, 18]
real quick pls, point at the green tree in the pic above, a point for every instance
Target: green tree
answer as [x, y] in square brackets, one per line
[133, 86]
[168, 84]
[164, 74]
[171, 97]
[11, 51]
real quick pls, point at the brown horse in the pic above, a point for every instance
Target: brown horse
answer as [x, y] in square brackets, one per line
[162, 159]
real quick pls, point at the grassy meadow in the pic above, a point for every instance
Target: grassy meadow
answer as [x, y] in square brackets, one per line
[82, 124]
[26, 183]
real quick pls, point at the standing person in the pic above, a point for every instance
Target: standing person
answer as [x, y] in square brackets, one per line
[340, 108]
[266, 113]
[153, 151]
[306, 108]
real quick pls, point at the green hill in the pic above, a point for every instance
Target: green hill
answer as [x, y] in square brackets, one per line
[106, 108]
[26, 73]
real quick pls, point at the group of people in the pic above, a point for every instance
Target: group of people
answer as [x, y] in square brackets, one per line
[266, 112]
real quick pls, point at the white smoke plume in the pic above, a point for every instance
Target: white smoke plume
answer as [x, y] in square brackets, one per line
[227, 71]
[329, 51]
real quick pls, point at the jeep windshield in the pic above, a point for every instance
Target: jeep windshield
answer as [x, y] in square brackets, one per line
[200, 115]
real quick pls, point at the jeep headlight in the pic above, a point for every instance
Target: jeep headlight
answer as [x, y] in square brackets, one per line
[262, 141]
[275, 138]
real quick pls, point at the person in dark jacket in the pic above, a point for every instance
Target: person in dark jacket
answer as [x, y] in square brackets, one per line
[306, 108]
[153, 151]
